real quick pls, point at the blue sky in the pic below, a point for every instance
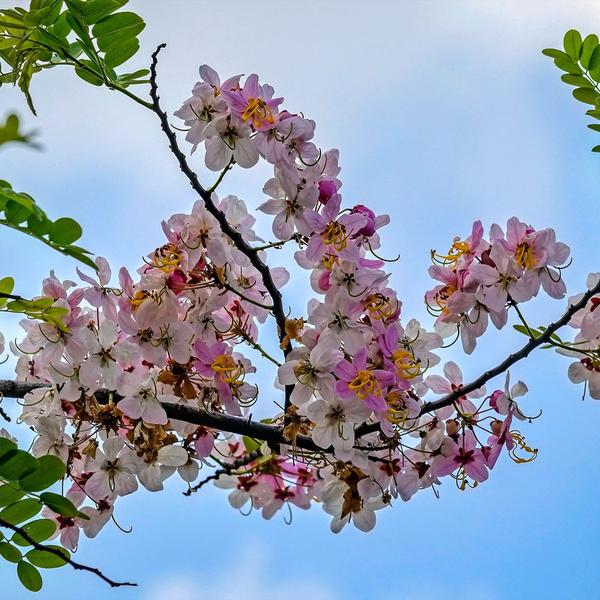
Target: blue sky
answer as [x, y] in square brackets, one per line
[443, 112]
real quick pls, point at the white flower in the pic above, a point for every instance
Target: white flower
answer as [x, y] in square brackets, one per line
[114, 469]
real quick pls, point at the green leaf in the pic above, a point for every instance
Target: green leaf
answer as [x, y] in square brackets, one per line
[7, 285]
[594, 126]
[61, 505]
[568, 66]
[577, 80]
[20, 511]
[587, 95]
[39, 531]
[29, 576]
[16, 464]
[9, 132]
[594, 66]
[589, 44]
[9, 552]
[572, 44]
[65, 231]
[554, 53]
[596, 149]
[118, 54]
[6, 446]
[116, 27]
[48, 560]
[10, 494]
[50, 469]
[94, 10]
[250, 444]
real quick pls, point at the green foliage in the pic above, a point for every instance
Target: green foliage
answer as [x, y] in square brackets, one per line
[21, 476]
[89, 35]
[19, 211]
[9, 132]
[580, 60]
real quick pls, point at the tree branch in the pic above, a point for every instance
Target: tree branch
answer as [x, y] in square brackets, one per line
[272, 434]
[503, 366]
[76, 565]
[226, 228]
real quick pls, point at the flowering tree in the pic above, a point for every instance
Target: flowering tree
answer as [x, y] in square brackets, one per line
[131, 379]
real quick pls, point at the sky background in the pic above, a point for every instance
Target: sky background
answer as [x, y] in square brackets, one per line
[444, 112]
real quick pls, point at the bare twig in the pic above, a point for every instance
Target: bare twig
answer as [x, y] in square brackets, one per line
[76, 565]
[226, 470]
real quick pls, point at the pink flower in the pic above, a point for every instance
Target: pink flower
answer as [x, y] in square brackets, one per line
[254, 104]
[463, 454]
[453, 382]
[356, 380]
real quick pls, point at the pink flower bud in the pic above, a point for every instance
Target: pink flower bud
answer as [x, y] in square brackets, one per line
[369, 227]
[327, 190]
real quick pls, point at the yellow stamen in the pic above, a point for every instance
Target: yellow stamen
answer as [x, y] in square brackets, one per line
[365, 384]
[524, 256]
[229, 371]
[259, 112]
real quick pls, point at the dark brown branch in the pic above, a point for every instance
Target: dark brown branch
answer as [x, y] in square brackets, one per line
[226, 228]
[273, 434]
[76, 565]
[510, 360]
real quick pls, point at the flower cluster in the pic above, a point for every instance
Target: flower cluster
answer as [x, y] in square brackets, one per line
[480, 279]
[356, 378]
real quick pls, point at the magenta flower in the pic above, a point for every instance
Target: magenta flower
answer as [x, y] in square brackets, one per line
[463, 454]
[254, 103]
[355, 380]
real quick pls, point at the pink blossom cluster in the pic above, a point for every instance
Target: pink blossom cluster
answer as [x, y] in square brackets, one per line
[480, 279]
[356, 378]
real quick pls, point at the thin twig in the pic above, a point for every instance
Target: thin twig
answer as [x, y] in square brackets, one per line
[76, 565]
[226, 470]
[226, 228]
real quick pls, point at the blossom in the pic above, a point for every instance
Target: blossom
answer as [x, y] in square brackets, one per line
[113, 470]
[356, 380]
[462, 454]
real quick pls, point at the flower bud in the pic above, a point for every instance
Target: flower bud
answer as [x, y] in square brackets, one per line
[452, 427]
[327, 190]
[369, 227]
[496, 427]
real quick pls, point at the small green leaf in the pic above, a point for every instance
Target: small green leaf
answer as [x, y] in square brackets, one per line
[29, 576]
[65, 231]
[9, 552]
[250, 444]
[61, 505]
[594, 66]
[572, 44]
[9, 494]
[16, 464]
[568, 66]
[577, 80]
[20, 511]
[589, 45]
[6, 446]
[596, 148]
[123, 24]
[594, 126]
[39, 531]
[118, 54]
[554, 53]
[48, 560]
[49, 470]
[587, 95]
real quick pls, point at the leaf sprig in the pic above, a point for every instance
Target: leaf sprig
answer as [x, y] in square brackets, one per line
[580, 60]
[88, 35]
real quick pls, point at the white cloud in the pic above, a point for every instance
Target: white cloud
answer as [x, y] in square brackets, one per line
[245, 575]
